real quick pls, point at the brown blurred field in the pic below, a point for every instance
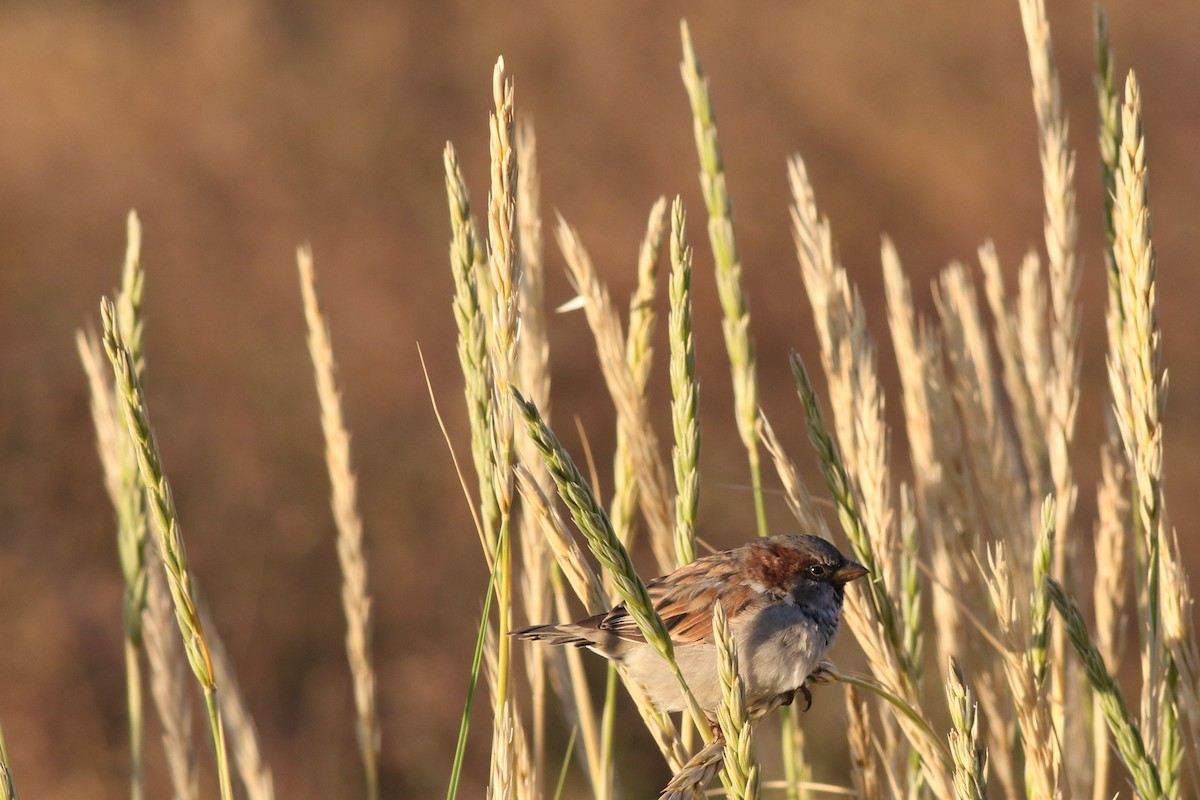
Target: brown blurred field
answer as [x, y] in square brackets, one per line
[240, 129]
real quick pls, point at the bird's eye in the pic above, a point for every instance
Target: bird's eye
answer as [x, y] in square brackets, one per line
[818, 571]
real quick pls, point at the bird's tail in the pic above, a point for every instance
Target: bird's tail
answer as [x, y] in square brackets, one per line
[553, 634]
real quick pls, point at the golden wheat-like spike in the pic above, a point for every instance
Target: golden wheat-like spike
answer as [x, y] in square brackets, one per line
[639, 352]
[970, 756]
[1041, 746]
[352, 560]
[632, 413]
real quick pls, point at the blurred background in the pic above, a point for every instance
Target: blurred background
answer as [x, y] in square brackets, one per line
[241, 129]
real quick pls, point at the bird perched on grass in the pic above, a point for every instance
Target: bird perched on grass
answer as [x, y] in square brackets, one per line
[781, 594]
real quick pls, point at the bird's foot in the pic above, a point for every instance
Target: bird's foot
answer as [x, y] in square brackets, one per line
[804, 690]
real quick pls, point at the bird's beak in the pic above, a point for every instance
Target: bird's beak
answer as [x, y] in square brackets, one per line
[849, 571]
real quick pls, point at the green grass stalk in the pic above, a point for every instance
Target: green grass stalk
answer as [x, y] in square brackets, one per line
[132, 525]
[124, 486]
[1121, 724]
[846, 500]
[685, 391]
[170, 538]
[464, 725]
[472, 341]
[734, 301]
[741, 770]
[1039, 602]
[593, 523]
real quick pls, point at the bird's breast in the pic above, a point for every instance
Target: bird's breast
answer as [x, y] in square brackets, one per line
[781, 646]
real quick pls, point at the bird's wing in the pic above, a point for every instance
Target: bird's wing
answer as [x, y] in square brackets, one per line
[684, 600]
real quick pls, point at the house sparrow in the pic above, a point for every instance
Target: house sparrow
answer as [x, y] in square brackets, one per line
[782, 595]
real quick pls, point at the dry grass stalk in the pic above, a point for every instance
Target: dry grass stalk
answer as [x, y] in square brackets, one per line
[1030, 313]
[639, 345]
[923, 382]
[873, 619]
[991, 460]
[565, 668]
[1026, 421]
[356, 601]
[504, 264]
[256, 777]
[509, 736]
[1110, 587]
[106, 419]
[1061, 227]
[1139, 390]
[689, 781]
[919, 355]
[170, 539]
[1058, 169]
[863, 487]
[795, 492]
[639, 352]
[583, 579]
[848, 356]
[1135, 377]
[735, 304]
[123, 484]
[500, 780]
[863, 767]
[958, 470]
[685, 391]
[1041, 746]
[976, 473]
[169, 691]
[653, 494]
[533, 368]
[504, 274]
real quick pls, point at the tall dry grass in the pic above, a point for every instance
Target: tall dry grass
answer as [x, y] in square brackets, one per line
[969, 563]
[971, 560]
